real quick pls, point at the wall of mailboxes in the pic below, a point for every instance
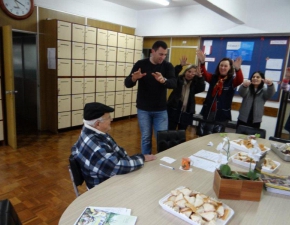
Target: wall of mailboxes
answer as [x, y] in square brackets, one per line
[91, 65]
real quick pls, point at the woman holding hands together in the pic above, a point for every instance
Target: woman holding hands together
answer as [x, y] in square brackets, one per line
[181, 102]
[254, 95]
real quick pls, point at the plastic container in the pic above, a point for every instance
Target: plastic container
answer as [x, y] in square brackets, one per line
[247, 164]
[185, 218]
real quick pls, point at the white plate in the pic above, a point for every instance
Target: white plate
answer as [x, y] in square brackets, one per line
[247, 164]
[185, 218]
[243, 147]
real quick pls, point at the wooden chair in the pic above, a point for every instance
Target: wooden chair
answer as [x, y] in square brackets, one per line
[75, 174]
[8, 215]
[241, 129]
[271, 138]
[169, 138]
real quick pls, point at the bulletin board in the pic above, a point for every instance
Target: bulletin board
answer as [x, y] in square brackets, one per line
[266, 54]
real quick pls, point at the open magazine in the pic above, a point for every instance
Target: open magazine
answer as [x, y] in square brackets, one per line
[276, 183]
[96, 216]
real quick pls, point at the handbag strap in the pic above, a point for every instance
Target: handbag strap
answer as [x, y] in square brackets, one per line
[212, 104]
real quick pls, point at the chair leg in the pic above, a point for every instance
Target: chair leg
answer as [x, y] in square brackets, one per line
[74, 186]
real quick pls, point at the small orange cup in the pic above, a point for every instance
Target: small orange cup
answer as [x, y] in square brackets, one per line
[185, 163]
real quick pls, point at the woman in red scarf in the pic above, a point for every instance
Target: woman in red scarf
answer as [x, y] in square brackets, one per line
[222, 87]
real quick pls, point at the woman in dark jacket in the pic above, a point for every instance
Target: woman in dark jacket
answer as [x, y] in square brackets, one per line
[181, 102]
[222, 86]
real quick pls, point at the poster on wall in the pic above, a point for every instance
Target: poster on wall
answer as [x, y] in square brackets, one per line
[240, 49]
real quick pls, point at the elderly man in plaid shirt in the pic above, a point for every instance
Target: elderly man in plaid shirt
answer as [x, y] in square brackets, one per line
[97, 153]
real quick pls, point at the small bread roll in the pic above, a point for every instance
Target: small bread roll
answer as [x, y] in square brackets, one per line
[190, 200]
[172, 198]
[220, 211]
[226, 214]
[193, 209]
[179, 197]
[169, 203]
[186, 211]
[181, 203]
[208, 216]
[208, 207]
[198, 200]
[185, 191]
[196, 218]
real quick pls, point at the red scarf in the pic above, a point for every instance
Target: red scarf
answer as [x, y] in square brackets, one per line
[218, 88]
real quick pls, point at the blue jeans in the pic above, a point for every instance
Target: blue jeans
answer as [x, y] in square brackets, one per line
[147, 119]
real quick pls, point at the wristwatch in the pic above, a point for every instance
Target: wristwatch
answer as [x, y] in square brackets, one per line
[164, 80]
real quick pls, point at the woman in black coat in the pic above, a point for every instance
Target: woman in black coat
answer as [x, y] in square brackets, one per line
[181, 102]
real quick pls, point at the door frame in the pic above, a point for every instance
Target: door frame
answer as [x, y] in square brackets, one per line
[9, 86]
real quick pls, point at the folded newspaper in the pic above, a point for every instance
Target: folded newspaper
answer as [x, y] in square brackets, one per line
[98, 216]
[276, 183]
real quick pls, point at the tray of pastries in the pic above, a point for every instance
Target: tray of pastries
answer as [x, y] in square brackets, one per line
[243, 159]
[282, 150]
[195, 207]
[246, 144]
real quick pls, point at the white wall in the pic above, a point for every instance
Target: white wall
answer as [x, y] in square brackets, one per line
[259, 17]
[94, 9]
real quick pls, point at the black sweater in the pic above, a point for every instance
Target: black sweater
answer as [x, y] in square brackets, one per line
[151, 95]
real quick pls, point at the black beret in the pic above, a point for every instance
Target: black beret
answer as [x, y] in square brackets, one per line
[95, 110]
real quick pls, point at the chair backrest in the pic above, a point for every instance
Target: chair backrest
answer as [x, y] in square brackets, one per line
[169, 138]
[209, 127]
[75, 174]
[8, 215]
[271, 138]
[241, 129]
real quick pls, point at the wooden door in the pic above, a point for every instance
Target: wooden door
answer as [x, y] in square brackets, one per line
[9, 86]
[175, 55]
[178, 52]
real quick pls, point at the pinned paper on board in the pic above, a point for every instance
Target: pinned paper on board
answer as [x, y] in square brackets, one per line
[207, 47]
[273, 75]
[246, 71]
[274, 64]
[240, 49]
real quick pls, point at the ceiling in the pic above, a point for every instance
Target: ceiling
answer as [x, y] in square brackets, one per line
[148, 4]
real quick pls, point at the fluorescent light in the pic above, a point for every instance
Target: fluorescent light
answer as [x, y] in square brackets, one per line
[162, 2]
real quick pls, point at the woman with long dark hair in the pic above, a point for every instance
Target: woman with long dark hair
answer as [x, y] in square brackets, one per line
[254, 94]
[222, 87]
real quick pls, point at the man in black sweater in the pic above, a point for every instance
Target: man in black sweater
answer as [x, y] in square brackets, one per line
[154, 76]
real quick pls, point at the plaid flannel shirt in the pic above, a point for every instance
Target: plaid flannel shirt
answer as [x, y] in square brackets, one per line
[101, 158]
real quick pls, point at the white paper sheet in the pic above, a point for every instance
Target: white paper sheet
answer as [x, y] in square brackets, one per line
[203, 163]
[273, 75]
[274, 64]
[207, 47]
[246, 71]
[210, 59]
[168, 159]
[215, 157]
[278, 42]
